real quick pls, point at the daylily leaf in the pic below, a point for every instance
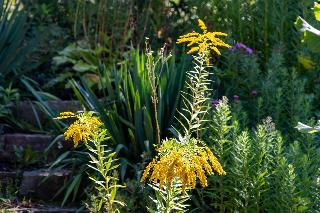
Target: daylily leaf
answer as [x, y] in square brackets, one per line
[307, 129]
[311, 36]
[81, 66]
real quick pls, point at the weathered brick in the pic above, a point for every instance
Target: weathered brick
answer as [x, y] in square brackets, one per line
[29, 112]
[47, 209]
[37, 142]
[7, 177]
[2, 142]
[32, 183]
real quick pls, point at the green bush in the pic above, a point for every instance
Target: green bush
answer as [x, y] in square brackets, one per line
[280, 92]
[263, 174]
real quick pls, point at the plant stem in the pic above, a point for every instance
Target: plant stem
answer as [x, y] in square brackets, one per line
[154, 100]
[151, 68]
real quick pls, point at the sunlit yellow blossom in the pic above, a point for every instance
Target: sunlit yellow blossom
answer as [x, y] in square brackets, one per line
[203, 43]
[64, 115]
[83, 128]
[202, 26]
[184, 161]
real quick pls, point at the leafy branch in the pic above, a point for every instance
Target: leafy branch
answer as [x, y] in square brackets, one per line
[195, 99]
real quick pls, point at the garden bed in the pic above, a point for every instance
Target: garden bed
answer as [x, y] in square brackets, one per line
[159, 106]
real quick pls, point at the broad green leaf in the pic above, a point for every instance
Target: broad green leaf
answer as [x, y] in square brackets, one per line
[59, 60]
[311, 36]
[307, 129]
[81, 66]
[89, 56]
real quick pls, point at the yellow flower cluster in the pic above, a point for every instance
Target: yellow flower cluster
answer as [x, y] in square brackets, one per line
[184, 161]
[203, 43]
[83, 128]
[64, 115]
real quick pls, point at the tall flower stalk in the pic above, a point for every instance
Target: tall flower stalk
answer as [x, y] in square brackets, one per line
[88, 129]
[187, 159]
[195, 100]
[154, 78]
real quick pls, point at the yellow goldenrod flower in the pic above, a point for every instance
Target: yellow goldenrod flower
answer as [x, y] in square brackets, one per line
[83, 128]
[202, 26]
[203, 43]
[64, 115]
[184, 161]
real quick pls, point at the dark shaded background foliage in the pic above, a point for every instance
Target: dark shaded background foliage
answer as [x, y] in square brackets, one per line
[119, 25]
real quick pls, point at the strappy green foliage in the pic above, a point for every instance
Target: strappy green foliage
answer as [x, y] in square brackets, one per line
[13, 29]
[127, 113]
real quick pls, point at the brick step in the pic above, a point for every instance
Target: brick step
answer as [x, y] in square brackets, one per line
[29, 112]
[37, 184]
[34, 145]
[8, 177]
[32, 184]
[51, 209]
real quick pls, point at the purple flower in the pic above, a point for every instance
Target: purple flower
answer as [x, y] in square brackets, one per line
[236, 98]
[241, 46]
[249, 51]
[214, 103]
[238, 45]
[254, 93]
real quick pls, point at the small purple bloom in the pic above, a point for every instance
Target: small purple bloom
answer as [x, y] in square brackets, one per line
[236, 98]
[241, 46]
[249, 51]
[214, 103]
[254, 93]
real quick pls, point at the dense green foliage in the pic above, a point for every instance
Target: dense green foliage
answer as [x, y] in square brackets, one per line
[129, 115]
[278, 92]
[263, 174]
[96, 52]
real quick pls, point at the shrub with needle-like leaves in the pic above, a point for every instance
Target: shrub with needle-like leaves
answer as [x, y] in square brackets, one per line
[169, 199]
[264, 175]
